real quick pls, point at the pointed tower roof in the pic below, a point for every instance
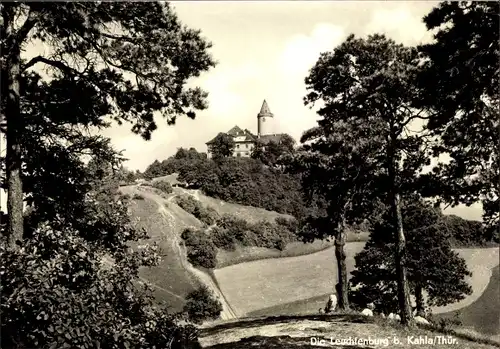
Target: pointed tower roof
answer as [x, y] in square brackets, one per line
[264, 110]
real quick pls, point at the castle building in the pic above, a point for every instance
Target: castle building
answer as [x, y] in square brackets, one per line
[245, 140]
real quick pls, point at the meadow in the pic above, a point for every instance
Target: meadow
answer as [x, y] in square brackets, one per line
[170, 280]
[300, 285]
[483, 315]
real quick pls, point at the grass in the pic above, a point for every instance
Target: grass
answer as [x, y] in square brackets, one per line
[306, 331]
[265, 283]
[170, 281]
[294, 249]
[248, 213]
[484, 314]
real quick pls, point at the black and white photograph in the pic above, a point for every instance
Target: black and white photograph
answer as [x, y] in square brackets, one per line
[249, 174]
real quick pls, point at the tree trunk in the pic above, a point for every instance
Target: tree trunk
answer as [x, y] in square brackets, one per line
[342, 287]
[419, 299]
[15, 127]
[400, 251]
[401, 273]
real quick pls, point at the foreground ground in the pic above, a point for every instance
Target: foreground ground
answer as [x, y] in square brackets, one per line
[340, 331]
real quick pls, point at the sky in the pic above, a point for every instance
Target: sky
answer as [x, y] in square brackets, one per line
[264, 50]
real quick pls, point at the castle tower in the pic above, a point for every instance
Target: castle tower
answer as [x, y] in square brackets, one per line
[263, 120]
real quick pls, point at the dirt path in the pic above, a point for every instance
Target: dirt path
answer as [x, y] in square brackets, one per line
[227, 313]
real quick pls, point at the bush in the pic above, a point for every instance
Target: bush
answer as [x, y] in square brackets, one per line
[187, 203]
[223, 239]
[201, 305]
[201, 251]
[164, 186]
[232, 230]
[138, 197]
[206, 215]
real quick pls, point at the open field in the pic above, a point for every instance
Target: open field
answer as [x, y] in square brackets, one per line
[294, 249]
[299, 332]
[299, 285]
[265, 283]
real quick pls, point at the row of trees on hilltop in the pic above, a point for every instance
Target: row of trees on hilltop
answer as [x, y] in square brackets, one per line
[245, 181]
[69, 278]
[387, 110]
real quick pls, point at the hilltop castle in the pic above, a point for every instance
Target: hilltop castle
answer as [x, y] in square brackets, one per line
[245, 140]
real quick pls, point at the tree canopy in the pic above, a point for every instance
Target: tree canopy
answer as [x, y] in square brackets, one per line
[372, 82]
[433, 267]
[124, 62]
[72, 280]
[459, 85]
[222, 146]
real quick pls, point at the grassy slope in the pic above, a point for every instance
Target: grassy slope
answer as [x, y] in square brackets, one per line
[170, 280]
[164, 221]
[484, 314]
[297, 332]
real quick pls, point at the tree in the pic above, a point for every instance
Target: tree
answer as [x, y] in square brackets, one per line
[74, 283]
[201, 305]
[222, 147]
[103, 61]
[433, 266]
[460, 85]
[270, 153]
[335, 164]
[372, 81]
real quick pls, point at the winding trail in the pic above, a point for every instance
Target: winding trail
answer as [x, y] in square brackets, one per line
[173, 234]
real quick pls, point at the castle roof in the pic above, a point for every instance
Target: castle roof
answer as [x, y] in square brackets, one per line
[264, 110]
[239, 135]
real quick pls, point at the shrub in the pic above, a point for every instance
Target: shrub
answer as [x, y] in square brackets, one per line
[187, 203]
[261, 234]
[201, 251]
[138, 196]
[164, 186]
[207, 215]
[223, 239]
[201, 305]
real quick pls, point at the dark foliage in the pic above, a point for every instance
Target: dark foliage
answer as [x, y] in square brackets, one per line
[247, 181]
[206, 214]
[459, 85]
[164, 186]
[201, 251]
[244, 181]
[174, 163]
[202, 305]
[222, 146]
[467, 233]
[432, 265]
[270, 153]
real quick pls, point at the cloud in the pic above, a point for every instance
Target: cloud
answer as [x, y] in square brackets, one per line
[401, 24]
[301, 51]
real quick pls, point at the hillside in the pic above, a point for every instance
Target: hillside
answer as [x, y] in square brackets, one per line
[264, 287]
[164, 221]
